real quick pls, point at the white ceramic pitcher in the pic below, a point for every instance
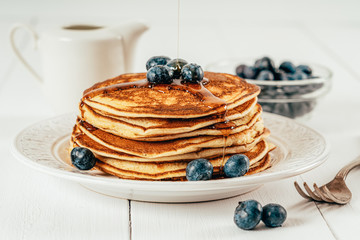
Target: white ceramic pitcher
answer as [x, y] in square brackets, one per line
[75, 57]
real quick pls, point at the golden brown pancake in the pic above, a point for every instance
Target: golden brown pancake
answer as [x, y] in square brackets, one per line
[151, 132]
[167, 148]
[176, 177]
[155, 129]
[177, 169]
[204, 153]
[177, 100]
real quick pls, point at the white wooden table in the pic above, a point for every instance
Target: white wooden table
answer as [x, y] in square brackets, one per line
[34, 205]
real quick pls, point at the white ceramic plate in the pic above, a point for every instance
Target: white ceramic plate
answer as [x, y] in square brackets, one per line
[44, 147]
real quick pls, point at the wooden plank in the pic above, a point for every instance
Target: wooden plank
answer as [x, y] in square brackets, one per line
[214, 220]
[341, 128]
[34, 205]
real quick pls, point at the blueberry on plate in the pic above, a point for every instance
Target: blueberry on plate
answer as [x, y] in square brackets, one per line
[287, 67]
[265, 75]
[237, 165]
[159, 74]
[192, 72]
[264, 63]
[305, 69]
[156, 61]
[82, 158]
[244, 71]
[248, 214]
[273, 215]
[176, 65]
[199, 170]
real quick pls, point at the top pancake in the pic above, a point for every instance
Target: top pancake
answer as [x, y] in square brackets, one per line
[130, 95]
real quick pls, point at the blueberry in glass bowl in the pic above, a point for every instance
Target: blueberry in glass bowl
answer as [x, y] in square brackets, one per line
[289, 88]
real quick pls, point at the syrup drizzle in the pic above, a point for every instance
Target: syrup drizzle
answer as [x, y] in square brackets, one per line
[178, 30]
[116, 87]
[196, 89]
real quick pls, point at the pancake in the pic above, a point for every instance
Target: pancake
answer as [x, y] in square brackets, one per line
[262, 165]
[154, 129]
[176, 176]
[101, 150]
[177, 170]
[166, 148]
[144, 131]
[217, 93]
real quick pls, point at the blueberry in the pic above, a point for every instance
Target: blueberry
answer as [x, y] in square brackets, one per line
[248, 214]
[316, 86]
[270, 91]
[281, 95]
[291, 89]
[299, 109]
[192, 72]
[280, 75]
[305, 69]
[159, 74]
[264, 63]
[199, 169]
[265, 97]
[273, 215]
[237, 165]
[176, 65]
[267, 107]
[287, 67]
[82, 158]
[290, 76]
[299, 75]
[282, 109]
[156, 61]
[265, 75]
[305, 89]
[245, 71]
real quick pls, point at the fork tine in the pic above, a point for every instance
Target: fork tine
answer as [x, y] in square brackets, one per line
[313, 195]
[332, 197]
[322, 194]
[301, 192]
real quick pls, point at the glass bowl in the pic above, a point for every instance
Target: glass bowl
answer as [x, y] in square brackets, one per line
[291, 98]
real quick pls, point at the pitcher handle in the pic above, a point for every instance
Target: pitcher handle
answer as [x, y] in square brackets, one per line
[16, 49]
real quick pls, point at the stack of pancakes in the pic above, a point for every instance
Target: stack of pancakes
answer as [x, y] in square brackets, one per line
[151, 132]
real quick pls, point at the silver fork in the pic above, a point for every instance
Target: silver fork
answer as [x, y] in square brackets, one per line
[335, 191]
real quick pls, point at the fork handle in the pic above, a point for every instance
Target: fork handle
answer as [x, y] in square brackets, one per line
[347, 168]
